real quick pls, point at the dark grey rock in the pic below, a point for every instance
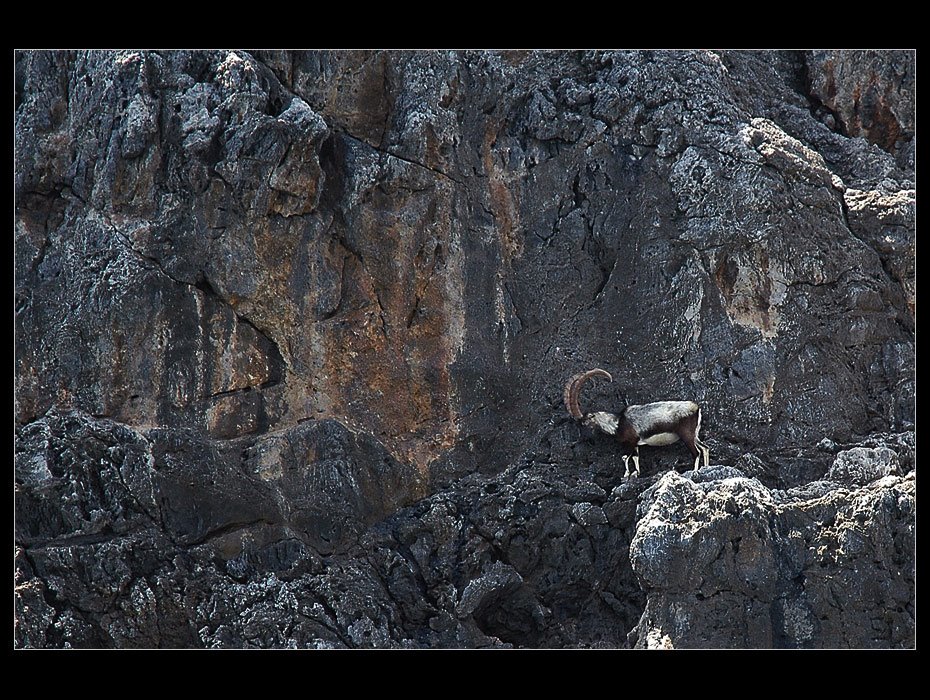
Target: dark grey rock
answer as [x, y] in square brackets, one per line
[287, 322]
[862, 465]
[713, 473]
[753, 467]
[870, 92]
[726, 563]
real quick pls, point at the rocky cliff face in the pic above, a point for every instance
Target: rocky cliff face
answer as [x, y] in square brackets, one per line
[292, 330]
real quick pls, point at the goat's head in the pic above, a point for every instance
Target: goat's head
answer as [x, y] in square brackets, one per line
[607, 422]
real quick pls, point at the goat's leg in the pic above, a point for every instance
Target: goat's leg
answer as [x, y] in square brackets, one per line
[705, 451]
[688, 435]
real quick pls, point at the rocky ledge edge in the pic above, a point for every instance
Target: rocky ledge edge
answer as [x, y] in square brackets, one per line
[306, 539]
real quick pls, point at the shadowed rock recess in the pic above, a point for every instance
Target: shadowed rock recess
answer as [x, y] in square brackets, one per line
[292, 330]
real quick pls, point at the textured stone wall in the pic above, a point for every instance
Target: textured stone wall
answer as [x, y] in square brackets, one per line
[268, 302]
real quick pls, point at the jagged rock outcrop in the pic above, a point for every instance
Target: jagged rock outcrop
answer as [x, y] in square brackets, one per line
[137, 554]
[538, 556]
[728, 563]
[281, 316]
[868, 93]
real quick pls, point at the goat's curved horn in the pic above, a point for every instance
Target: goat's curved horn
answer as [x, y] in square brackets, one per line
[573, 389]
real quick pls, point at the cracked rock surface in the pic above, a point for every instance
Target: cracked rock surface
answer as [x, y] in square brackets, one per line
[728, 563]
[292, 330]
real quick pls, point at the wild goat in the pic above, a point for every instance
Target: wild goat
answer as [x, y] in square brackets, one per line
[660, 423]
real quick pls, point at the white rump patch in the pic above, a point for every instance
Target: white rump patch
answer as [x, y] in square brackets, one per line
[660, 439]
